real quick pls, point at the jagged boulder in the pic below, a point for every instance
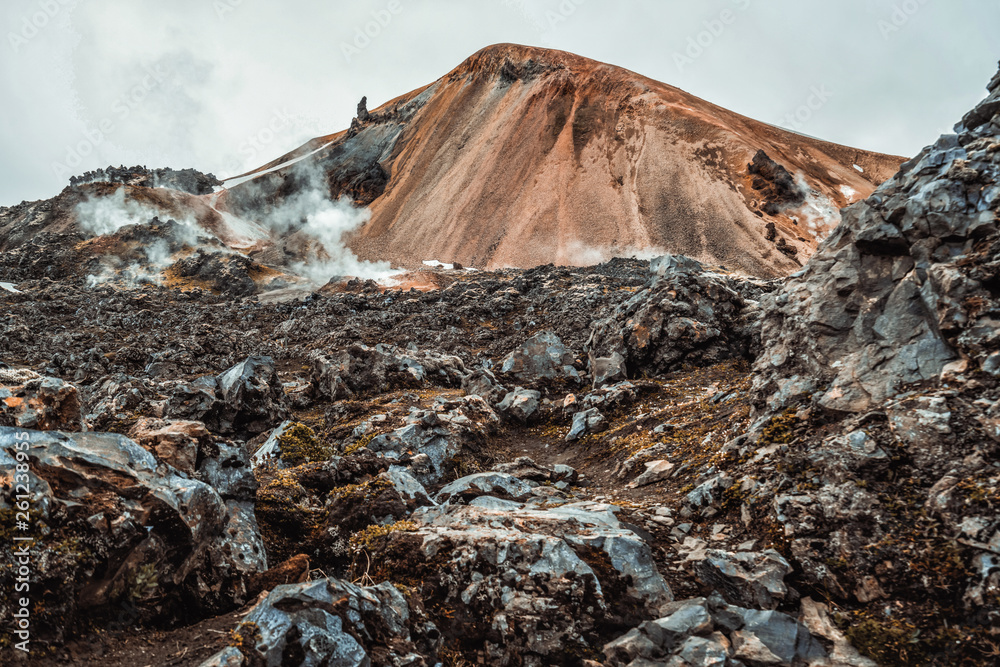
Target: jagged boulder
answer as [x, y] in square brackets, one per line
[361, 370]
[28, 400]
[431, 440]
[686, 314]
[755, 580]
[585, 423]
[246, 399]
[708, 632]
[330, 622]
[511, 580]
[520, 404]
[543, 356]
[905, 285]
[482, 382]
[117, 528]
[526, 469]
[496, 484]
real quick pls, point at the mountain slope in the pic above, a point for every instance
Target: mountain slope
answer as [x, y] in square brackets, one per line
[524, 156]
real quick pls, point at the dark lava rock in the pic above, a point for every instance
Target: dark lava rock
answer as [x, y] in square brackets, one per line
[774, 183]
[114, 527]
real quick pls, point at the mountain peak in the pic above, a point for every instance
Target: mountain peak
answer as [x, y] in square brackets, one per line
[517, 61]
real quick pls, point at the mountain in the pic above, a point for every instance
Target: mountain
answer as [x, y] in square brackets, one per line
[524, 156]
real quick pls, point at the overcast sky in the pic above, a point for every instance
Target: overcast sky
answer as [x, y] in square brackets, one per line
[226, 85]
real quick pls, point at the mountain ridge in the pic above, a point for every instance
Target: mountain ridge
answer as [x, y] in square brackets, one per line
[543, 121]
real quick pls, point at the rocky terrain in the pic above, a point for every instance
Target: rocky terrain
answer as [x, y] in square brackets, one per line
[186, 180]
[634, 463]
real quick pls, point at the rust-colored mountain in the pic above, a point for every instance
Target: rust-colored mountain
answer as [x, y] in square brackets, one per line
[525, 156]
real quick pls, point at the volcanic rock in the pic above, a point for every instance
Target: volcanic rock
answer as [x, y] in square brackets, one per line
[30, 401]
[900, 289]
[711, 632]
[562, 575]
[327, 621]
[541, 356]
[687, 314]
[521, 404]
[117, 526]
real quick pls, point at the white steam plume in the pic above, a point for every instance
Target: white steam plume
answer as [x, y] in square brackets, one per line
[820, 214]
[311, 212]
[106, 215]
[100, 215]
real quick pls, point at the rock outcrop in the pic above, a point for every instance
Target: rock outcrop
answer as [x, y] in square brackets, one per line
[112, 526]
[687, 314]
[902, 288]
[525, 583]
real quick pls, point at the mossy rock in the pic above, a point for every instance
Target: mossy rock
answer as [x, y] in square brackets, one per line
[299, 444]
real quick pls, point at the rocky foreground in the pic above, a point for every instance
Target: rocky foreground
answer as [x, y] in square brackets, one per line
[637, 463]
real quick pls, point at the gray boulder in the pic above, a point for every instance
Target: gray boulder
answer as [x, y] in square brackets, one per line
[521, 404]
[431, 439]
[245, 400]
[361, 370]
[749, 579]
[584, 423]
[541, 356]
[709, 632]
[495, 484]
[558, 575]
[526, 469]
[482, 382]
[324, 622]
[118, 525]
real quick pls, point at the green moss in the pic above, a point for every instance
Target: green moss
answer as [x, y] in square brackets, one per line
[359, 444]
[365, 539]
[361, 492]
[299, 444]
[892, 642]
[245, 637]
[74, 546]
[779, 430]
[142, 582]
[733, 498]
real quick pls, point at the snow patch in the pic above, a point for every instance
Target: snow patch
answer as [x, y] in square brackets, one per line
[859, 169]
[9, 287]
